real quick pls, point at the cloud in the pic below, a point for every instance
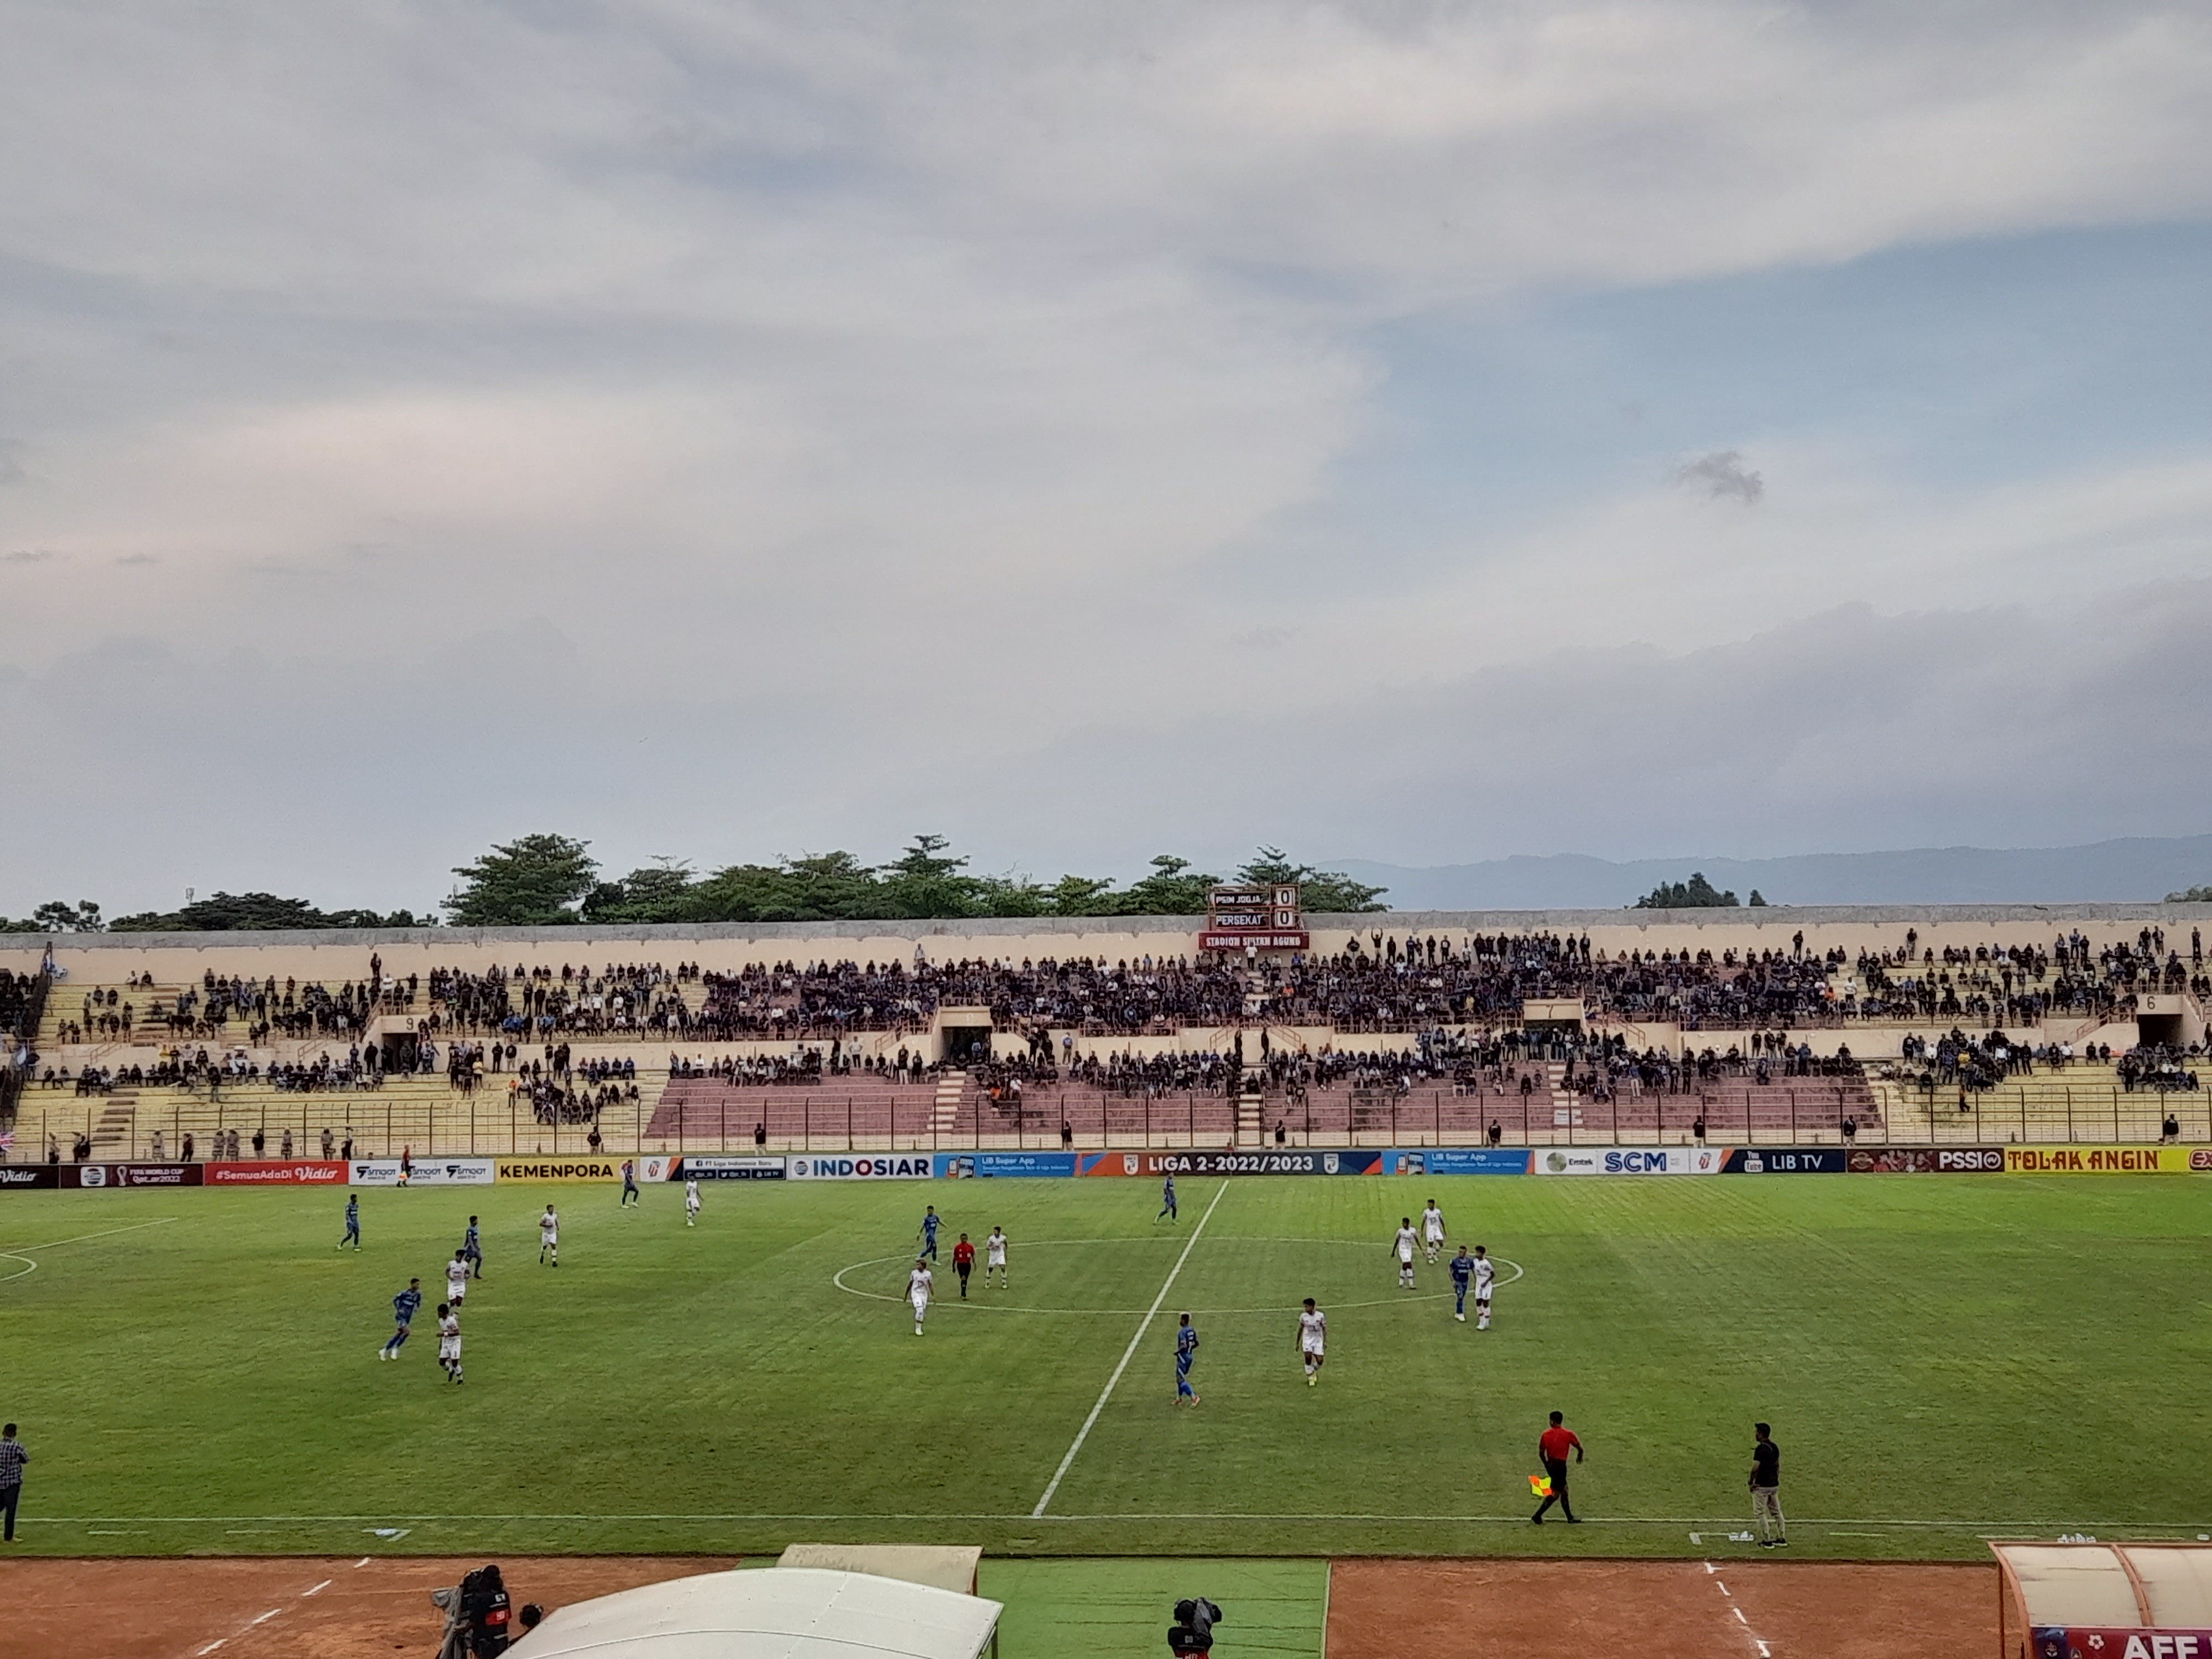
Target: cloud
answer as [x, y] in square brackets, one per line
[27, 555]
[1723, 473]
[832, 380]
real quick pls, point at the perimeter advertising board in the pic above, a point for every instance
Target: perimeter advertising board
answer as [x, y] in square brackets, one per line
[1927, 1160]
[1354, 1161]
[1460, 1161]
[2097, 1160]
[130, 1175]
[22, 1177]
[862, 1166]
[557, 1169]
[302, 1172]
[717, 1168]
[1785, 1160]
[424, 1172]
[2081, 1642]
[960, 1166]
[1630, 1160]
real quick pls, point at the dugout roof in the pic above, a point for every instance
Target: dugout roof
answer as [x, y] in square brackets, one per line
[2110, 1586]
[774, 1613]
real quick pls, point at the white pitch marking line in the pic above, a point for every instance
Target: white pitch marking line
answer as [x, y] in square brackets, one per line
[324, 1585]
[1724, 1589]
[1765, 1652]
[211, 1648]
[1740, 1619]
[1128, 1354]
[364, 1562]
[264, 1618]
[106, 1232]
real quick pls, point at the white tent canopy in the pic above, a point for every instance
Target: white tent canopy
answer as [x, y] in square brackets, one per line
[775, 1613]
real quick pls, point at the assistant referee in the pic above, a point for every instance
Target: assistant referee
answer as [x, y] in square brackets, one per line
[1552, 1446]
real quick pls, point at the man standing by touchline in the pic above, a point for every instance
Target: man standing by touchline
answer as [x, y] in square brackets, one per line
[1552, 1447]
[12, 1459]
[1766, 1486]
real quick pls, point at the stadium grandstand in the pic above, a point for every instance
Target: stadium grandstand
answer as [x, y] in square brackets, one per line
[1786, 1027]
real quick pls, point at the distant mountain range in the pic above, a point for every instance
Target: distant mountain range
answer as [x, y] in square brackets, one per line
[2127, 870]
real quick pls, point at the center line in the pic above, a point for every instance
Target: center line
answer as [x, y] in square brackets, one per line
[1128, 1354]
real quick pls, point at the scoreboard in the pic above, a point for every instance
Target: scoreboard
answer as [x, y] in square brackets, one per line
[1261, 917]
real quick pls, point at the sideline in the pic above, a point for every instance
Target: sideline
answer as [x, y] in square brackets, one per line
[1128, 1354]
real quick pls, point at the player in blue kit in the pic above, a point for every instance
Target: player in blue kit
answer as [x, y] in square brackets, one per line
[404, 1307]
[1167, 1200]
[353, 1222]
[1462, 1273]
[1185, 1350]
[931, 1221]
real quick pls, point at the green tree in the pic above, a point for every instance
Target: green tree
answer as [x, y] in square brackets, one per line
[925, 881]
[220, 912]
[1757, 903]
[536, 881]
[2190, 895]
[1319, 890]
[662, 891]
[816, 887]
[60, 916]
[1080, 895]
[1695, 894]
[1173, 889]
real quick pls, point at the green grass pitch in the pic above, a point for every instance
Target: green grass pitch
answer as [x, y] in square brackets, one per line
[1942, 1359]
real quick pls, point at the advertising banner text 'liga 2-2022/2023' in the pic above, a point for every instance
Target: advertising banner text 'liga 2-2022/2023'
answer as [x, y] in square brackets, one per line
[1424, 1161]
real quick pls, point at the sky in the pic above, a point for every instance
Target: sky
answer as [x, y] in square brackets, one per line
[1412, 433]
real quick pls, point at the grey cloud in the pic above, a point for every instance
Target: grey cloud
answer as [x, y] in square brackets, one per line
[137, 559]
[27, 555]
[1723, 473]
[1852, 728]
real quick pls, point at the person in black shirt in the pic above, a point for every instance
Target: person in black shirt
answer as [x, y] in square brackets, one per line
[1766, 1486]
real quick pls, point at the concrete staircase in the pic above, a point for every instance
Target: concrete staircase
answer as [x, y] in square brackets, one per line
[1250, 1130]
[944, 1118]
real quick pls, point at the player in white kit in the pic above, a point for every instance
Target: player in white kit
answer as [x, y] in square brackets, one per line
[548, 1238]
[1313, 1338]
[1406, 1241]
[919, 1284]
[994, 1257]
[1432, 1230]
[457, 1278]
[1484, 1270]
[449, 1339]
[691, 1202]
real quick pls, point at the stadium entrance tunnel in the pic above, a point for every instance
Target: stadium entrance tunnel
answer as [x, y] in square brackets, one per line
[966, 1045]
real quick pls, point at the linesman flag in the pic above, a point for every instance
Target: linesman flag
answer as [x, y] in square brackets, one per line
[1539, 1485]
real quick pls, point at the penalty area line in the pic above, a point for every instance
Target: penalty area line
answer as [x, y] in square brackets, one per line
[1128, 1354]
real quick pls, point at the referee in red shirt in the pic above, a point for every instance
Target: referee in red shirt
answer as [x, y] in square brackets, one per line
[1552, 1446]
[964, 1263]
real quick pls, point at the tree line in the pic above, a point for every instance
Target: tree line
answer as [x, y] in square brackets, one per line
[547, 880]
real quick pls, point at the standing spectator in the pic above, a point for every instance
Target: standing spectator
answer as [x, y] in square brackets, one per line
[1766, 1486]
[12, 1459]
[1552, 1447]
